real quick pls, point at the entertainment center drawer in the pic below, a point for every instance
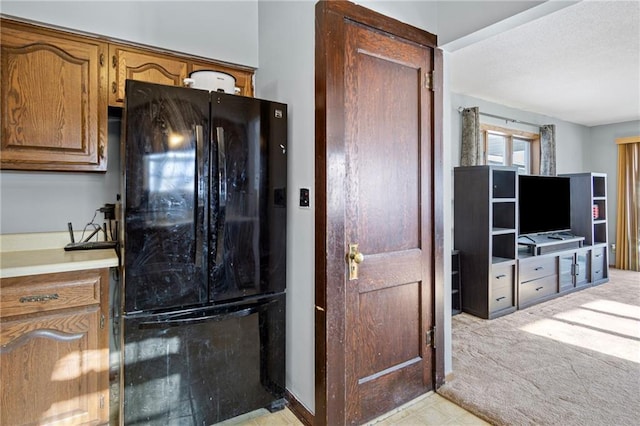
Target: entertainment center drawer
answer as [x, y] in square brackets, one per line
[502, 279]
[598, 257]
[537, 267]
[531, 291]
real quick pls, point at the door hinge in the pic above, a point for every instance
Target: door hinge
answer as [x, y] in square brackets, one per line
[430, 337]
[428, 80]
[101, 321]
[101, 401]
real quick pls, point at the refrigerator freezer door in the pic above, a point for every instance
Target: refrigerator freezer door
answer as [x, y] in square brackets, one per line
[203, 366]
[248, 202]
[166, 154]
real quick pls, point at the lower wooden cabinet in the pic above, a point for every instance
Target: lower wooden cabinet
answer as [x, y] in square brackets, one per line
[54, 348]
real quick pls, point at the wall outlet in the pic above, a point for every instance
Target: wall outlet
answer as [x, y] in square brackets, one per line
[304, 197]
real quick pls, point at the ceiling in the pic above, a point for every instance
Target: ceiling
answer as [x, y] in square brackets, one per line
[574, 61]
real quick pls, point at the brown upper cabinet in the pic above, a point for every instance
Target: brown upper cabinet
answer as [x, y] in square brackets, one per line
[244, 77]
[163, 68]
[134, 64]
[56, 87]
[53, 100]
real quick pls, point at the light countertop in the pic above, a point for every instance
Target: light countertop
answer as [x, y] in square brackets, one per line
[43, 253]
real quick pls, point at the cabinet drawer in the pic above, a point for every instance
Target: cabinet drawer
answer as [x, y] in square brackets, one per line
[535, 268]
[598, 258]
[537, 289]
[501, 295]
[40, 293]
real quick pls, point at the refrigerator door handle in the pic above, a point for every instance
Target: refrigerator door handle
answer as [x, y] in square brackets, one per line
[222, 167]
[179, 322]
[200, 191]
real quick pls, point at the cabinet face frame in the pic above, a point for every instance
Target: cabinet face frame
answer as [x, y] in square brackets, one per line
[53, 100]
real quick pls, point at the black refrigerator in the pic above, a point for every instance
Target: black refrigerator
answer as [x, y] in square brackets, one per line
[204, 255]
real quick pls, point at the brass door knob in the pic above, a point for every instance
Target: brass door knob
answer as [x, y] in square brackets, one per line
[355, 258]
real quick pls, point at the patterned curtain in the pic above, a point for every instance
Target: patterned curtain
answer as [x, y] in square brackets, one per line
[548, 150]
[471, 152]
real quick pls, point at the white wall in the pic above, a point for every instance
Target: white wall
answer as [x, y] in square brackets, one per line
[46, 201]
[223, 30]
[286, 73]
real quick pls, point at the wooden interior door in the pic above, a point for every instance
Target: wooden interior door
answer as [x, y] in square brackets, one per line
[377, 184]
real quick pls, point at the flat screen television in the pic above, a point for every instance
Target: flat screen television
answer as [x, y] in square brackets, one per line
[544, 204]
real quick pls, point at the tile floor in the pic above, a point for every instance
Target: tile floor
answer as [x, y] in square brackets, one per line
[429, 409]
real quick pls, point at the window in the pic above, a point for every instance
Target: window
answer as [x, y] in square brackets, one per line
[509, 147]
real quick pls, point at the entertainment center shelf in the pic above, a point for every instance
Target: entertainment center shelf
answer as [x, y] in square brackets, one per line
[505, 271]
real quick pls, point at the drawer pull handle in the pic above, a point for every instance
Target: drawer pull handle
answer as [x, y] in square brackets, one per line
[598, 255]
[539, 268]
[539, 288]
[500, 298]
[500, 276]
[39, 298]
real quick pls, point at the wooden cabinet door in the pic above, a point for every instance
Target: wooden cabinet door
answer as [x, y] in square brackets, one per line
[244, 79]
[128, 63]
[53, 100]
[51, 366]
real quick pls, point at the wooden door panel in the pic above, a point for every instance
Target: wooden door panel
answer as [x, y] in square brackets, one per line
[391, 315]
[384, 172]
[386, 314]
[378, 186]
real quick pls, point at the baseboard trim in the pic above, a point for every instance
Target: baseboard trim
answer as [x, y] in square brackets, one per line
[299, 410]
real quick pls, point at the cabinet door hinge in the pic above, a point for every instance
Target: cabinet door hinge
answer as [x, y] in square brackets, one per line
[101, 321]
[429, 80]
[430, 337]
[101, 401]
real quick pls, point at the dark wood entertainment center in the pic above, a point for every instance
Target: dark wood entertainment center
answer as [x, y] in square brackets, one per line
[501, 271]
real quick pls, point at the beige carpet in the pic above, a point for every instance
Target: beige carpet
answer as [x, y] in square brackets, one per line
[574, 360]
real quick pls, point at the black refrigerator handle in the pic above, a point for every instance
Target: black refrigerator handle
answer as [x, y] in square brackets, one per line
[222, 167]
[179, 322]
[200, 192]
